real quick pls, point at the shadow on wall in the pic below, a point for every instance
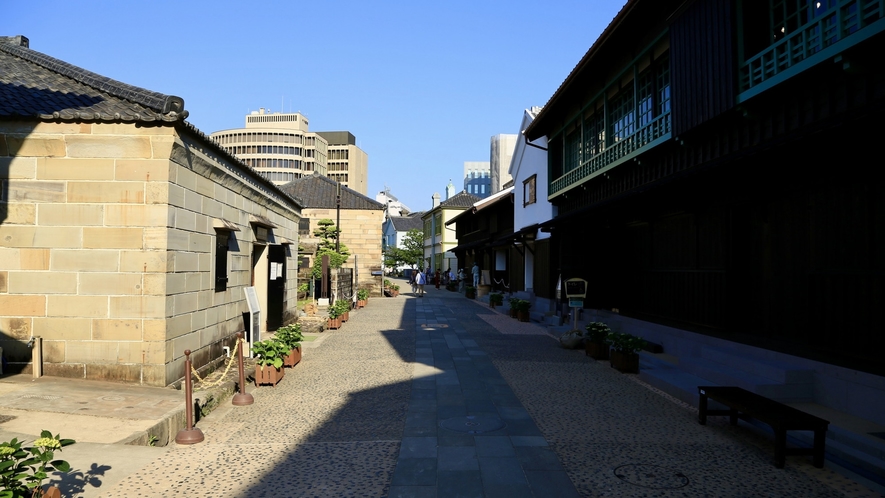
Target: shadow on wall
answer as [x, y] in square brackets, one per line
[19, 108]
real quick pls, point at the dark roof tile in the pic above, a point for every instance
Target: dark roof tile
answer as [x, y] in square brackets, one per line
[319, 192]
[461, 199]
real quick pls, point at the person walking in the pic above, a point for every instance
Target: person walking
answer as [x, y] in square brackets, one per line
[475, 275]
[462, 280]
[412, 281]
[436, 278]
[420, 280]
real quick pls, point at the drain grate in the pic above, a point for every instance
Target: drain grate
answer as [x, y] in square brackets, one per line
[651, 476]
[473, 424]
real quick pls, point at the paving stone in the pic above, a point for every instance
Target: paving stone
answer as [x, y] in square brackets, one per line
[457, 458]
[460, 484]
[418, 447]
[494, 446]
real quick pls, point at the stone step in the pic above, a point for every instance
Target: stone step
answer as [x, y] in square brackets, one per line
[724, 375]
[779, 372]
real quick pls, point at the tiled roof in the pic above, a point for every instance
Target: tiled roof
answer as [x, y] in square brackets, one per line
[405, 223]
[319, 192]
[35, 85]
[462, 199]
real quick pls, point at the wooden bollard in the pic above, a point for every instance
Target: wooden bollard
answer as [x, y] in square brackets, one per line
[191, 435]
[242, 398]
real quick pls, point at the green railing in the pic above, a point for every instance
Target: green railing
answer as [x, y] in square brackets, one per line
[847, 20]
[615, 153]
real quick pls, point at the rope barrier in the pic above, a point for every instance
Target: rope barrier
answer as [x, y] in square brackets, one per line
[501, 282]
[223, 376]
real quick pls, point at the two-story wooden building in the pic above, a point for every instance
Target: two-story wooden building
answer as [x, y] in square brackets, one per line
[714, 166]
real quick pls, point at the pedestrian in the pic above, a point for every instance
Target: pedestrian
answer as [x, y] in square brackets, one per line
[462, 279]
[475, 274]
[436, 278]
[412, 281]
[420, 280]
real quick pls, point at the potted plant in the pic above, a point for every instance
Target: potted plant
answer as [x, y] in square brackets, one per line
[291, 336]
[522, 310]
[513, 302]
[470, 292]
[362, 298]
[394, 290]
[334, 321]
[24, 468]
[496, 299]
[343, 309]
[386, 283]
[625, 351]
[596, 343]
[269, 356]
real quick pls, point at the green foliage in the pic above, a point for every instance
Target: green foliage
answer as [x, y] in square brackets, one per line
[523, 305]
[340, 307]
[270, 353]
[411, 251]
[362, 294]
[496, 298]
[304, 287]
[152, 440]
[513, 302]
[386, 283]
[24, 468]
[290, 335]
[626, 343]
[598, 332]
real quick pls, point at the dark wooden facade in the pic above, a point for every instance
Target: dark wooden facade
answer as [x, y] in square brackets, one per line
[484, 231]
[761, 218]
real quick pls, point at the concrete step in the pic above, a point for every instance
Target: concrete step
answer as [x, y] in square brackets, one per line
[779, 372]
[724, 375]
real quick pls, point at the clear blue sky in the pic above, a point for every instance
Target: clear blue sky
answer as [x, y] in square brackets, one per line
[423, 86]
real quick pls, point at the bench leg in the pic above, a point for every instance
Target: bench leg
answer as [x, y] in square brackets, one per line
[702, 409]
[780, 447]
[820, 438]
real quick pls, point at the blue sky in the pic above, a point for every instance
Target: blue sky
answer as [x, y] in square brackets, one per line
[423, 86]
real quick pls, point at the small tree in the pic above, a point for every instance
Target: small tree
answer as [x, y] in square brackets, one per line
[328, 234]
[408, 255]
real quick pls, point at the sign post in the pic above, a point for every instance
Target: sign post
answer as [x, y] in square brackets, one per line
[576, 291]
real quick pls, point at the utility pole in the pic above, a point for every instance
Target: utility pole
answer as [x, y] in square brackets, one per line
[338, 220]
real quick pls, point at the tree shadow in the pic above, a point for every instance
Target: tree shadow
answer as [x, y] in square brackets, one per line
[74, 483]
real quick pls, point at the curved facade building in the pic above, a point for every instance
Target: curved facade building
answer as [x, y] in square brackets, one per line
[277, 145]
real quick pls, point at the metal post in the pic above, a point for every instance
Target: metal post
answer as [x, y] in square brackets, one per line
[191, 435]
[242, 398]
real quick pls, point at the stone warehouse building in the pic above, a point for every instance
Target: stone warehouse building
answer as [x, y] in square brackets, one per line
[361, 220]
[127, 236]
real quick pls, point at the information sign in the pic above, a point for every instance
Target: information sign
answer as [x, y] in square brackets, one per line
[253, 335]
[575, 303]
[576, 287]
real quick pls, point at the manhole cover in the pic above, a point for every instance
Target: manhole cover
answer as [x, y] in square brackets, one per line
[651, 476]
[6, 418]
[112, 398]
[40, 396]
[472, 424]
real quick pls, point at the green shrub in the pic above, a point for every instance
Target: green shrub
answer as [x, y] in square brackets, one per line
[290, 335]
[626, 343]
[270, 353]
[598, 332]
[24, 468]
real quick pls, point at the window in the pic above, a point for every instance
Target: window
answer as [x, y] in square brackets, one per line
[528, 191]
[437, 228]
[304, 227]
[222, 239]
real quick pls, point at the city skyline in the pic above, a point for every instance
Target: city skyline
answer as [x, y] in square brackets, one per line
[420, 97]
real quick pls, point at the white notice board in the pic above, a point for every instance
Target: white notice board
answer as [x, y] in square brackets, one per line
[254, 334]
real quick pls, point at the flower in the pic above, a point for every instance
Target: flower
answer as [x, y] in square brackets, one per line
[6, 450]
[48, 442]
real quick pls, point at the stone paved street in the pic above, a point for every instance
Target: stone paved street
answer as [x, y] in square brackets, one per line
[442, 396]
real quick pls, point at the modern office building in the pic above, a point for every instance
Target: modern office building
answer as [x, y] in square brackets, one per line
[277, 145]
[476, 178]
[501, 153]
[346, 163]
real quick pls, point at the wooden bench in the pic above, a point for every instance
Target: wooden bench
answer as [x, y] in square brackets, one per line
[782, 418]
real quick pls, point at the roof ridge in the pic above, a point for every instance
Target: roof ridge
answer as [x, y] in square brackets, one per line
[156, 101]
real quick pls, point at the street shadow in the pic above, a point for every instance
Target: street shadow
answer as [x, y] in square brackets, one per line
[75, 483]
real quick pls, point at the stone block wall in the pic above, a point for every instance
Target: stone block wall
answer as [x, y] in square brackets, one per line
[361, 233]
[107, 248]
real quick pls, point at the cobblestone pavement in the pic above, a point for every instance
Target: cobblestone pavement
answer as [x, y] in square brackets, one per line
[439, 397]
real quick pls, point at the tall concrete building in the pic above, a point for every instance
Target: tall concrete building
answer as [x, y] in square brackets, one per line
[346, 162]
[502, 148]
[277, 145]
[476, 178]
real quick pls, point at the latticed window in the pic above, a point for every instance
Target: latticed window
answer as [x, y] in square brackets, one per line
[662, 85]
[622, 115]
[437, 227]
[594, 133]
[572, 150]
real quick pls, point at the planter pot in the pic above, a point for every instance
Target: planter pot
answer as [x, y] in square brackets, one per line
[333, 323]
[597, 350]
[470, 295]
[268, 375]
[625, 362]
[293, 358]
[345, 316]
[361, 303]
[523, 316]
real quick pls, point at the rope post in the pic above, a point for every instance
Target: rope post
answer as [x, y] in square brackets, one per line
[191, 435]
[242, 398]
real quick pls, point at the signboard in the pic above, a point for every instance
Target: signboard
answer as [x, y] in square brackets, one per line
[575, 303]
[576, 287]
[253, 335]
